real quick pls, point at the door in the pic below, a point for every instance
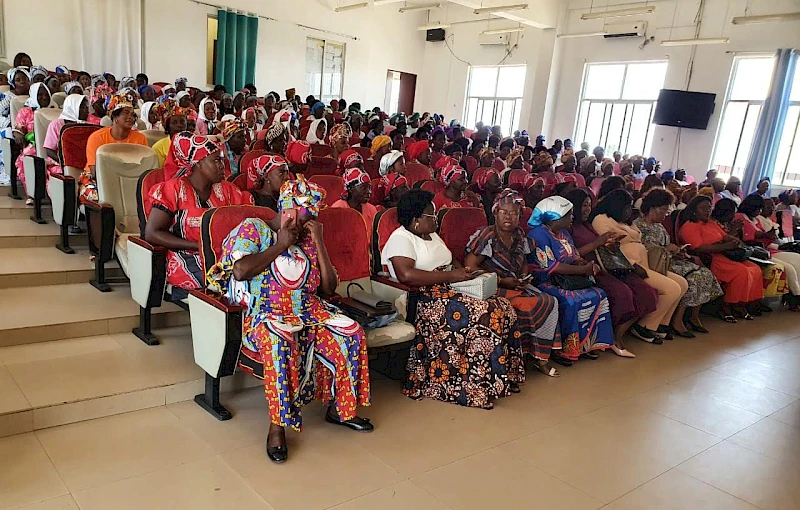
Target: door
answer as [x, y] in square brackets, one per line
[401, 89]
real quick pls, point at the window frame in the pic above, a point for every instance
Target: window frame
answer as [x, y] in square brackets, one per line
[325, 43]
[603, 141]
[495, 100]
[794, 141]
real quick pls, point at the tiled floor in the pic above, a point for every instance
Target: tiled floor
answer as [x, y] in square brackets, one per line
[711, 423]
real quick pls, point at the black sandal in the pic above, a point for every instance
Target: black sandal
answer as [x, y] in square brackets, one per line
[514, 387]
[357, 424]
[564, 362]
[729, 318]
[697, 329]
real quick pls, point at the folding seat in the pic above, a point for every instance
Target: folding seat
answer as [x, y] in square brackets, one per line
[385, 223]
[239, 180]
[377, 197]
[248, 157]
[153, 135]
[416, 172]
[321, 150]
[517, 176]
[35, 167]
[64, 187]
[457, 225]
[364, 152]
[114, 218]
[58, 98]
[5, 145]
[333, 184]
[320, 166]
[4, 89]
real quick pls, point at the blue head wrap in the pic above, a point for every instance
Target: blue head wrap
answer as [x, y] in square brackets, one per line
[667, 176]
[318, 104]
[550, 209]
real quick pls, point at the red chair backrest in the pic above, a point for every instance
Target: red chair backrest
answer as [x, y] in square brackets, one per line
[143, 203]
[432, 186]
[239, 180]
[260, 145]
[72, 144]
[160, 83]
[637, 184]
[157, 89]
[218, 222]
[457, 225]
[248, 158]
[347, 246]
[435, 157]
[320, 166]
[377, 197]
[386, 222]
[333, 184]
[365, 152]
[407, 140]
[524, 216]
[372, 167]
[321, 150]
[416, 172]
[518, 176]
[472, 165]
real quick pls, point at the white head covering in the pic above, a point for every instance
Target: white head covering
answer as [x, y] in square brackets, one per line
[550, 209]
[311, 136]
[145, 116]
[72, 106]
[227, 117]
[70, 85]
[201, 114]
[33, 97]
[180, 95]
[38, 71]
[13, 72]
[388, 160]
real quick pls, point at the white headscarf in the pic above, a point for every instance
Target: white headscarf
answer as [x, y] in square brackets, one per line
[72, 106]
[180, 95]
[388, 160]
[550, 209]
[145, 116]
[33, 99]
[201, 114]
[311, 136]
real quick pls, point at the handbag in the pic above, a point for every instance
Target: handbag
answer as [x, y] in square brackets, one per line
[363, 307]
[571, 281]
[481, 287]
[740, 254]
[658, 259]
[613, 261]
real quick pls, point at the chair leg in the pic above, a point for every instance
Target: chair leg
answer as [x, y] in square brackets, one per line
[210, 400]
[144, 330]
[39, 189]
[37, 211]
[99, 281]
[14, 190]
[64, 244]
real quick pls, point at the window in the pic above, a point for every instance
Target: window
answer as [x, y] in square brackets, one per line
[617, 105]
[787, 163]
[324, 69]
[494, 96]
[747, 90]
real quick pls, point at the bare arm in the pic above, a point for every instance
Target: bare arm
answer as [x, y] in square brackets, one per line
[328, 277]
[407, 274]
[157, 232]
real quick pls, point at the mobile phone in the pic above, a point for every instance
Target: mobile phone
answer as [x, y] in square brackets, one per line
[684, 246]
[527, 277]
[288, 214]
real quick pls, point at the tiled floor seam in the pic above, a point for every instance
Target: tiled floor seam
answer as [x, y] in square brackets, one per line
[712, 485]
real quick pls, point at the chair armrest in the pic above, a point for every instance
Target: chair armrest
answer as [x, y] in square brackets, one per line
[385, 280]
[147, 246]
[147, 271]
[215, 300]
[216, 332]
[100, 220]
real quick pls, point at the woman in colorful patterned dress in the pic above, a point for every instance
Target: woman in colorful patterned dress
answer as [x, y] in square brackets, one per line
[24, 133]
[308, 348]
[503, 249]
[584, 316]
[461, 353]
[178, 206]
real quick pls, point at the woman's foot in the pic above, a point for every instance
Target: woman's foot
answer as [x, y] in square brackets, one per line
[277, 450]
[561, 360]
[763, 308]
[514, 387]
[545, 368]
[664, 332]
[697, 327]
[29, 201]
[642, 333]
[681, 331]
[357, 424]
[590, 355]
[743, 313]
[625, 353]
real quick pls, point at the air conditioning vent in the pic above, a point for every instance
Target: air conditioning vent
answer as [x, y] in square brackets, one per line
[624, 30]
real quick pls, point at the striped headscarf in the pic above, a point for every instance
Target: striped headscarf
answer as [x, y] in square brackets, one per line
[507, 196]
[354, 177]
[260, 167]
[450, 173]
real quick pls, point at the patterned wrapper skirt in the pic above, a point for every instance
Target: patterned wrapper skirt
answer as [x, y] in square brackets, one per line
[536, 329]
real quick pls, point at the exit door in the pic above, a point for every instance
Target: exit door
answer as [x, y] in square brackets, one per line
[401, 89]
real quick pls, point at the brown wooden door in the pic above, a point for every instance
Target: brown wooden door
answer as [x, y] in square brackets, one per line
[408, 90]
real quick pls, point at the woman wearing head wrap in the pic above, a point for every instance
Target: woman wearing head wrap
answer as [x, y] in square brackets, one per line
[128, 81]
[150, 116]
[38, 74]
[19, 82]
[276, 136]
[357, 194]
[249, 119]
[461, 353]
[308, 348]
[123, 118]
[146, 93]
[316, 131]
[76, 110]
[438, 141]
[392, 162]
[340, 139]
[53, 85]
[502, 248]
[235, 144]
[347, 160]
[72, 87]
[181, 83]
[419, 152]
[514, 159]
[207, 117]
[225, 105]
[381, 145]
[455, 193]
[393, 187]
[184, 99]
[584, 319]
[489, 186]
[265, 177]
[178, 205]
[63, 73]
[175, 120]
[298, 153]
[23, 126]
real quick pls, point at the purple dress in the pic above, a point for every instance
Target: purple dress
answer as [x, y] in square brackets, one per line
[629, 298]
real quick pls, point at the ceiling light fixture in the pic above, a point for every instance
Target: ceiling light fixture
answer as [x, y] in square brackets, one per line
[767, 18]
[509, 30]
[421, 7]
[576, 36]
[499, 8]
[693, 42]
[351, 7]
[434, 26]
[619, 13]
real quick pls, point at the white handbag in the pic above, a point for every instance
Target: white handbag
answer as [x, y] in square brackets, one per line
[480, 287]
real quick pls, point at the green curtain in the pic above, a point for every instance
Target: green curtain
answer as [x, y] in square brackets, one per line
[237, 37]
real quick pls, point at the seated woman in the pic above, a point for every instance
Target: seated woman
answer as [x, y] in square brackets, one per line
[489, 187]
[753, 232]
[392, 167]
[702, 286]
[357, 192]
[123, 119]
[462, 353]
[24, 133]
[150, 117]
[317, 132]
[706, 237]
[455, 193]
[394, 187]
[207, 117]
[583, 310]
[611, 215]
[298, 153]
[309, 349]
[235, 145]
[340, 140]
[76, 110]
[629, 297]
[265, 176]
[19, 83]
[175, 121]
[503, 249]
[381, 145]
[249, 118]
[179, 204]
[419, 152]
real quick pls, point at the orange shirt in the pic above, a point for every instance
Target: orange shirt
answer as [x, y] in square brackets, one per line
[103, 137]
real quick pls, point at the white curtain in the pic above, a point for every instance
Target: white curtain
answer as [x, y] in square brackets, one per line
[110, 33]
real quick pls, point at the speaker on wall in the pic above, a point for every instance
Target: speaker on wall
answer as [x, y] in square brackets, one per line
[435, 34]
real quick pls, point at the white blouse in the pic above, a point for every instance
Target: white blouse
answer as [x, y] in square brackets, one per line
[427, 255]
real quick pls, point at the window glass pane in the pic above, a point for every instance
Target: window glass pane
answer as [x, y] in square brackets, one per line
[746, 141]
[314, 50]
[604, 81]
[517, 111]
[795, 95]
[511, 81]
[644, 80]
[614, 129]
[752, 78]
[487, 112]
[472, 111]
[785, 145]
[482, 81]
[626, 129]
[594, 123]
[640, 121]
[505, 115]
[792, 177]
[728, 137]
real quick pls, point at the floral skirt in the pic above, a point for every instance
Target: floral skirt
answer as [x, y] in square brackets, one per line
[462, 353]
[703, 286]
[536, 328]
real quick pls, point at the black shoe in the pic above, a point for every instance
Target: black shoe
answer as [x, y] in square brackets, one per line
[642, 333]
[763, 308]
[278, 454]
[357, 424]
[590, 355]
[697, 329]
[685, 334]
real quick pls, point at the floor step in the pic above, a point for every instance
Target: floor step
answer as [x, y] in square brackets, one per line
[22, 233]
[29, 267]
[77, 379]
[54, 312]
[17, 210]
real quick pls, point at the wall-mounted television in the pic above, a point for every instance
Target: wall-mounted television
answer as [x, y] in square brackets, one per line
[684, 109]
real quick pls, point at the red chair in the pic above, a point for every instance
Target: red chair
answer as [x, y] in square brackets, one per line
[472, 165]
[239, 180]
[431, 186]
[407, 140]
[260, 145]
[435, 157]
[518, 176]
[321, 150]
[386, 222]
[244, 163]
[372, 167]
[457, 225]
[333, 184]
[377, 196]
[365, 152]
[347, 246]
[157, 89]
[637, 184]
[524, 216]
[320, 166]
[161, 84]
[416, 172]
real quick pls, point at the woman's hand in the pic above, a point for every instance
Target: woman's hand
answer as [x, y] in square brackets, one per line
[512, 283]
[459, 275]
[673, 249]
[288, 235]
[314, 229]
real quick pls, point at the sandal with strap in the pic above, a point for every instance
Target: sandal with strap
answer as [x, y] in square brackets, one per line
[551, 372]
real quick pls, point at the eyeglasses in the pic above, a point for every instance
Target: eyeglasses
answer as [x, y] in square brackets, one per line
[430, 216]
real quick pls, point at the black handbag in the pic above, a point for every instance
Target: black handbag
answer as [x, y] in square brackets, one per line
[740, 254]
[571, 281]
[364, 307]
[613, 261]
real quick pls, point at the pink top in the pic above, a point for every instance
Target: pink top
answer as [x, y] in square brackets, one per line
[93, 119]
[53, 132]
[24, 120]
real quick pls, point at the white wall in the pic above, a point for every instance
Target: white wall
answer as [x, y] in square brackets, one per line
[49, 41]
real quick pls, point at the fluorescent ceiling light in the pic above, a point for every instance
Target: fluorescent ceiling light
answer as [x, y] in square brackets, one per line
[508, 30]
[488, 10]
[576, 36]
[692, 42]
[434, 26]
[351, 7]
[767, 18]
[619, 13]
[420, 7]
